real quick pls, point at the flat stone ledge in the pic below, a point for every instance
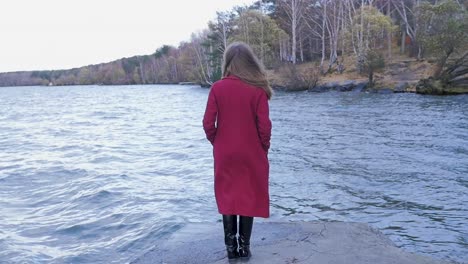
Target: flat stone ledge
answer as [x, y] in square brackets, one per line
[285, 243]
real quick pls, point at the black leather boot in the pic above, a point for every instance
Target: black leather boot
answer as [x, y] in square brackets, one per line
[230, 231]
[245, 231]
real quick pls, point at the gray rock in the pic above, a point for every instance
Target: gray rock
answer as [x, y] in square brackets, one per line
[278, 87]
[345, 86]
[436, 87]
[380, 90]
[319, 89]
[292, 242]
[401, 87]
[348, 83]
[385, 91]
[331, 85]
[360, 87]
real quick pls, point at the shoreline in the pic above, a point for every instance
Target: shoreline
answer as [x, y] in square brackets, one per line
[354, 85]
[348, 85]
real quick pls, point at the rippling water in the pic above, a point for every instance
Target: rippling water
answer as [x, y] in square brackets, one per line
[92, 174]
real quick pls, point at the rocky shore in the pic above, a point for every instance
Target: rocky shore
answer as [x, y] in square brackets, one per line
[291, 242]
[353, 86]
[401, 75]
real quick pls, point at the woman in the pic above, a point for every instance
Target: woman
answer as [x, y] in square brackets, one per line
[237, 124]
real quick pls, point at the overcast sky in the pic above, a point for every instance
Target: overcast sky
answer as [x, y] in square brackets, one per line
[62, 34]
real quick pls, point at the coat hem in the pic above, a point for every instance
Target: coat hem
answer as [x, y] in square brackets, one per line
[243, 214]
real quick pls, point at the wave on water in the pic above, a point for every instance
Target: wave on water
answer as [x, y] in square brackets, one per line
[101, 174]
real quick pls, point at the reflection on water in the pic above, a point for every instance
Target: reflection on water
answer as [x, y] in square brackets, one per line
[92, 174]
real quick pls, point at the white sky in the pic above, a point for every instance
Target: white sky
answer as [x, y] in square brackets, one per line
[62, 34]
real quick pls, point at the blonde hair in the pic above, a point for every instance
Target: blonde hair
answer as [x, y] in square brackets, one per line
[239, 60]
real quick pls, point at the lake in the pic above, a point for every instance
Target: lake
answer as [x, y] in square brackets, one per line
[100, 174]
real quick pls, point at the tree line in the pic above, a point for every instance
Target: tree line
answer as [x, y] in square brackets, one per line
[290, 32]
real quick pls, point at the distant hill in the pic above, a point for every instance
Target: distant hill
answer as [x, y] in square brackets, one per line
[164, 66]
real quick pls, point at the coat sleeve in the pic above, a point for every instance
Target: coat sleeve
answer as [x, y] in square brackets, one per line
[209, 119]
[263, 121]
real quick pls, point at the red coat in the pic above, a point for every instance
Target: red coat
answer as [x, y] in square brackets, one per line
[237, 124]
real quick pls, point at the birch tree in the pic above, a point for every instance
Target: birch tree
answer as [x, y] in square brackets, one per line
[294, 10]
[369, 30]
[405, 9]
[221, 29]
[316, 23]
[201, 59]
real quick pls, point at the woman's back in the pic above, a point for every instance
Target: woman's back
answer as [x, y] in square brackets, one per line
[237, 104]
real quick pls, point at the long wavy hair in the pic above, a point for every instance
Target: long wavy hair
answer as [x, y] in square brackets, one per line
[239, 60]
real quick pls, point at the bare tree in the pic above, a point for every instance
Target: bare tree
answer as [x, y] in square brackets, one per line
[316, 23]
[405, 10]
[202, 60]
[333, 25]
[221, 30]
[294, 10]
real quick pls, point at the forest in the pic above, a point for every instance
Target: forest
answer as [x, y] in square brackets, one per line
[330, 37]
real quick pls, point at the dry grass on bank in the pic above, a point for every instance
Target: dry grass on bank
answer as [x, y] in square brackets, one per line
[398, 69]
